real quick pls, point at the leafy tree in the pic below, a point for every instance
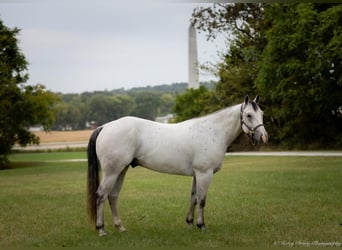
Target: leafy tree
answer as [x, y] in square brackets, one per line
[148, 107]
[167, 102]
[300, 73]
[104, 108]
[194, 103]
[243, 24]
[291, 55]
[237, 71]
[73, 115]
[20, 105]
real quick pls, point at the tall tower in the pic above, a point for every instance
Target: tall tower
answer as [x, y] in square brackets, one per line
[193, 61]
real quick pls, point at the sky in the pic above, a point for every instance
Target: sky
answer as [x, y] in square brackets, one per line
[74, 46]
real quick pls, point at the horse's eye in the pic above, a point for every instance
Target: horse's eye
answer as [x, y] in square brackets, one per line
[249, 116]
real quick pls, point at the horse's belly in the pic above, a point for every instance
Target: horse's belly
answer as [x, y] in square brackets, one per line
[165, 154]
[170, 165]
[170, 170]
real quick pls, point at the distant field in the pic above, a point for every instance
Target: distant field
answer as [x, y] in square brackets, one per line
[63, 136]
[252, 201]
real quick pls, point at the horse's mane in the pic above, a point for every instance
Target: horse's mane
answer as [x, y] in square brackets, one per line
[212, 113]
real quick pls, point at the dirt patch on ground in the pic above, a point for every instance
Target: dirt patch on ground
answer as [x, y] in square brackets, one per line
[64, 136]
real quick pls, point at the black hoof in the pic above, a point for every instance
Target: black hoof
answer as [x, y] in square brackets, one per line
[189, 222]
[202, 227]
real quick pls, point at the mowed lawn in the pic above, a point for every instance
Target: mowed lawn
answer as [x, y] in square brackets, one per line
[252, 201]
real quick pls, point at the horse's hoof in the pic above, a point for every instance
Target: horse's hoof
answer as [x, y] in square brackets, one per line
[190, 226]
[202, 227]
[102, 232]
[190, 223]
[121, 229]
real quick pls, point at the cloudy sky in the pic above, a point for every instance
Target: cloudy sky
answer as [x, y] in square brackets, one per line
[76, 46]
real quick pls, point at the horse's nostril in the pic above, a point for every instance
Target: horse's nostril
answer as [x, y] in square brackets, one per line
[264, 138]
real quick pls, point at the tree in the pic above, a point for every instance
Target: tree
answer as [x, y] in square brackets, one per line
[148, 104]
[104, 108]
[20, 105]
[290, 54]
[300, 73]
[166, 103]
[194, 103]
[244, 25]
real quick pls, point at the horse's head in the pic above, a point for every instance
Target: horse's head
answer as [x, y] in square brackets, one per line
[252, 121]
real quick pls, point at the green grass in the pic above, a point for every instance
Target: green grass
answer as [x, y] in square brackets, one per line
[252, 201]
[51, 156]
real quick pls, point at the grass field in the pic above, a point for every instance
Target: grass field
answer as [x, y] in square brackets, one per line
[252, 201]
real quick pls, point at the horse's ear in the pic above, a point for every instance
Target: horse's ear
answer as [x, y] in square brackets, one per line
[246, 99]
[256, 99]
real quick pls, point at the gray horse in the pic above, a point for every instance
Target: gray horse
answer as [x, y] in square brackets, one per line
[194, 148]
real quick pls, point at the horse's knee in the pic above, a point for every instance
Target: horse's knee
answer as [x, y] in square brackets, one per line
[100, 198]
[202, 203]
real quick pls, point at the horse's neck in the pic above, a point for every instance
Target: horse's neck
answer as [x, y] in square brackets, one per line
[234, 119]
[231, 123]
[227, 123]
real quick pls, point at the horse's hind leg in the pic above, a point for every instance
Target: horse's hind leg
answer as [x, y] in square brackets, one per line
[190, 216]
[113, 200]
[103, 191]
[111, 174]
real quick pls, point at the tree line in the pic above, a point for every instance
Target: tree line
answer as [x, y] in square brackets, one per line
[77, 111]
[89, 109]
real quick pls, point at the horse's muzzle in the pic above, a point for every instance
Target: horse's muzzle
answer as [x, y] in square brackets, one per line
[258, 139]
[264, 138]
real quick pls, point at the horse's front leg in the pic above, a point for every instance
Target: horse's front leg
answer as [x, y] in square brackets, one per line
[203, 182]
[190, 216]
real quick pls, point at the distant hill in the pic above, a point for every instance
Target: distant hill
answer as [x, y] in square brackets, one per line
[168, 88]
[174, 88]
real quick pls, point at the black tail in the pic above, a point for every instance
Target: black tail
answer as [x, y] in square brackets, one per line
[93, 174]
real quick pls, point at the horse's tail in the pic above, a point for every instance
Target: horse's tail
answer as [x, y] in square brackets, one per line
[93, 175]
